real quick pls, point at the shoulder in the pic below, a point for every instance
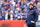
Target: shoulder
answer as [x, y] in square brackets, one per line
[35, 9]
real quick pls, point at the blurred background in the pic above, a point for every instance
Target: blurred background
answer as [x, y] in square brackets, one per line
[17, 9]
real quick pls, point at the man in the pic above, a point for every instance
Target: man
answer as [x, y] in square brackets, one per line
[32, 16]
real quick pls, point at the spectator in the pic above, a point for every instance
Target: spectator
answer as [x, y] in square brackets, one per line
[0, 17]
[16, 9]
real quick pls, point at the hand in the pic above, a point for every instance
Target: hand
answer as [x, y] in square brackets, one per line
[34, 22]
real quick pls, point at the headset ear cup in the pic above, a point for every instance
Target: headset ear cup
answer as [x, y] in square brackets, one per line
[34, 7]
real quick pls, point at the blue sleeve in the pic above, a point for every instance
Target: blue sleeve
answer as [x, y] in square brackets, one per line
[36, 15]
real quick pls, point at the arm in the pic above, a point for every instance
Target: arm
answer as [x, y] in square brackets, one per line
[36, 15]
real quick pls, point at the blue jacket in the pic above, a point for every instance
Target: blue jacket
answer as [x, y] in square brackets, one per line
[32, 15]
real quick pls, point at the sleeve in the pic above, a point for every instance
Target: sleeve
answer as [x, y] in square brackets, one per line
[36, 15]
[26, 18]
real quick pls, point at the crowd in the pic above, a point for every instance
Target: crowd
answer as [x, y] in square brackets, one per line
[16, 9]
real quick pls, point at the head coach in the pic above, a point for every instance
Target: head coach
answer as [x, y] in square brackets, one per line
[32, 16]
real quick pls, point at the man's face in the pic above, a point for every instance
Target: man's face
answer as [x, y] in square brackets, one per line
[31, 6]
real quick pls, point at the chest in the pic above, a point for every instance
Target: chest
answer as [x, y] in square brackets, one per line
[30, 12]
